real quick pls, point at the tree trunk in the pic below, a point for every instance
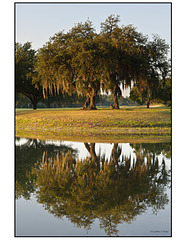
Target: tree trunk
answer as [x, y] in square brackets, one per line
[34, 101]
[35, 105]
[148, 103]
[87, 102]
[93, 100]
[115, 98]
[48, 103]
[164, 80]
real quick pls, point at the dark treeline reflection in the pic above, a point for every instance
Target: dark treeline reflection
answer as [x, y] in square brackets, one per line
[113, 190]
[26, 155]
[153, 148]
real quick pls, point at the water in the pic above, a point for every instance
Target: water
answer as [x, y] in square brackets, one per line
[92, 189]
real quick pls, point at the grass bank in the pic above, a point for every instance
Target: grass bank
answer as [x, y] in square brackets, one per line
[102, 125]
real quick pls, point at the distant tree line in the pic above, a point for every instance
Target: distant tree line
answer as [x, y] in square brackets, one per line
[84, 63]
[64, 100]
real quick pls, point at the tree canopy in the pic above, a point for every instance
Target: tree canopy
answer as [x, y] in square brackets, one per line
[24, 70]
[89, 63]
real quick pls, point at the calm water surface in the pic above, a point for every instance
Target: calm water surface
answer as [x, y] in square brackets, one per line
[92, 189]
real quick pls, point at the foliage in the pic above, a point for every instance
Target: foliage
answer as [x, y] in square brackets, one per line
[152, 149]
[121, 50]
[135, 96]
[54, 66]
[154, 66]
[24, 70]
[32, 151]
[22, 101]
[86, 62]
[165, 91]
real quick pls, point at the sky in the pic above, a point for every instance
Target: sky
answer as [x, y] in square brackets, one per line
[36, 23]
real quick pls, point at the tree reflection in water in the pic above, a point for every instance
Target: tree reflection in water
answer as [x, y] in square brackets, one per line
[26, 155]
[113, 190]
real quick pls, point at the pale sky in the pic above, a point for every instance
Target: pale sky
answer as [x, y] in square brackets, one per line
[37, 22]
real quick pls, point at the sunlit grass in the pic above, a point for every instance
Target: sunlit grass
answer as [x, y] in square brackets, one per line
[101, 123]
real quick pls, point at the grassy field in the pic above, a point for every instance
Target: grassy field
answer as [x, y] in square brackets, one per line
[102, 125]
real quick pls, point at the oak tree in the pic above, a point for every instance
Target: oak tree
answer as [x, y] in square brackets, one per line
[24, 70]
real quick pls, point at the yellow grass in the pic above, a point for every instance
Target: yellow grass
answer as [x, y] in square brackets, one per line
[100, 125]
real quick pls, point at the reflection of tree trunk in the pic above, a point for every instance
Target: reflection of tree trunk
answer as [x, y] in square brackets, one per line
[93, 152]
[116, 152]
[153, 157]
[91, 149]
[127, 163]
[87, 102]
[87, 147]
[35, 143]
